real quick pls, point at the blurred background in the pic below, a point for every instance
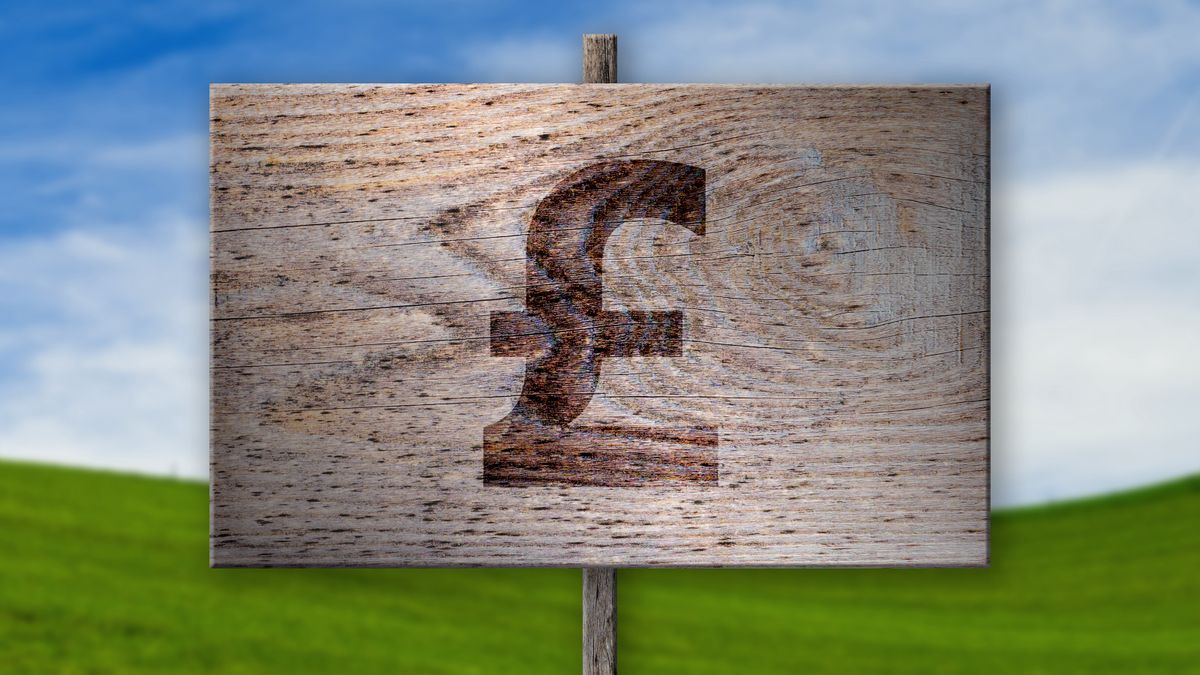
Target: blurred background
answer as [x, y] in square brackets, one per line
[103, 344]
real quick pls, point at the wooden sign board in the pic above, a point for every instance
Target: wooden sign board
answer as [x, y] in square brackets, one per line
[599, 325]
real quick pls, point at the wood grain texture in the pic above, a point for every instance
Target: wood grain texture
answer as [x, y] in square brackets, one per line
[599, 58]
[599, 621]
[600, 583]
[832, 324]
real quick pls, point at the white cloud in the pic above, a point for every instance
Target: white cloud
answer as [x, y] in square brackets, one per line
[105, 348]
[532, 59]
[159, 154]
[1058, 44]
[1095, 373]
[156, 153]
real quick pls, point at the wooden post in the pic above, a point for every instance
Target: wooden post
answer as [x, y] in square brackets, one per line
[599, 583]
[599, 58]
[599, 621]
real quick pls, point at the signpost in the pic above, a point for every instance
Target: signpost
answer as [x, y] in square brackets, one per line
[599, 326]
[600, 583]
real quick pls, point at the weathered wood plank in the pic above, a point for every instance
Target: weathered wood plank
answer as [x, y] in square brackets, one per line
[787, 367]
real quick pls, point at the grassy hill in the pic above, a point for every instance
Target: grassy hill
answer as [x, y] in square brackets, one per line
[105, 573]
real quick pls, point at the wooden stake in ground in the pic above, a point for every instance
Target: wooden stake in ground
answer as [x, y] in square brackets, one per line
[599, 621]
[599, 583]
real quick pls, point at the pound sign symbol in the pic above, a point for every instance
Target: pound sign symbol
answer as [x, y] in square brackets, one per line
[565, 334]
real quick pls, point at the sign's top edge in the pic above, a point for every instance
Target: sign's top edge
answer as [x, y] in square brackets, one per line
[725, 85]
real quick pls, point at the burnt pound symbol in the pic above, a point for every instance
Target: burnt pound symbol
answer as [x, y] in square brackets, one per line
[565, 335]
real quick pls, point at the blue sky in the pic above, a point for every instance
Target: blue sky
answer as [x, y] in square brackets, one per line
[103, 244]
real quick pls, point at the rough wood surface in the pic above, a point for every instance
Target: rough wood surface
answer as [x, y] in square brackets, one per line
[600, 583]
[371, 256]
[599, 58]
[599, 621]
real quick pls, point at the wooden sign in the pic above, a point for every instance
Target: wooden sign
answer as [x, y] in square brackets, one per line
[582, 325]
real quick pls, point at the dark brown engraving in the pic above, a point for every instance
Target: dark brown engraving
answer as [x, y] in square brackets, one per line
[565, 333]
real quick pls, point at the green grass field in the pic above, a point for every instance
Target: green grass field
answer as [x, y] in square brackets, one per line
[107, 573]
